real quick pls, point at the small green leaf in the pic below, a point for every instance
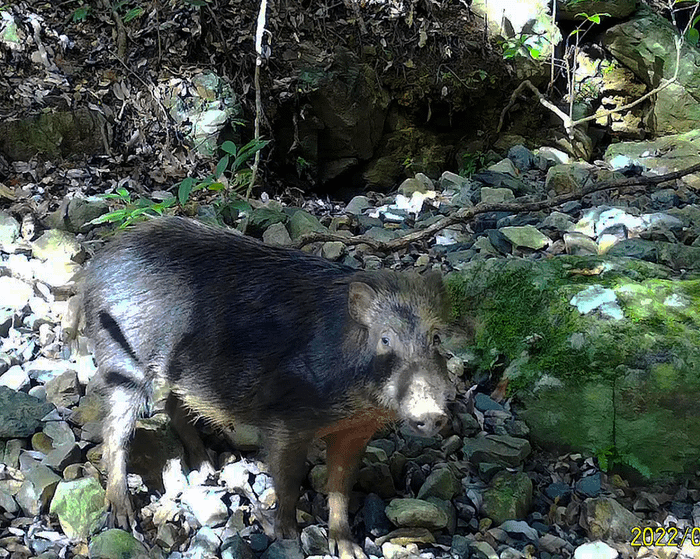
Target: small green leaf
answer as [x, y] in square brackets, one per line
[693, 37]
[81, 13]
[215, 186]
[229, 147]
[183, 191]
[221, 166]
[241, 205]
[110, 217]
[133, 14]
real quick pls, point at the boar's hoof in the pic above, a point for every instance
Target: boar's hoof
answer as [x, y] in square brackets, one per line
[344, 547]
[286, 531]
[121, 512]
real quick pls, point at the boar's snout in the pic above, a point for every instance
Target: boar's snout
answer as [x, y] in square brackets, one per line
[423, 401]
[427, 424]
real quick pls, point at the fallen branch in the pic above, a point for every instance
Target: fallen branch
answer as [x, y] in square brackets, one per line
[465, 214]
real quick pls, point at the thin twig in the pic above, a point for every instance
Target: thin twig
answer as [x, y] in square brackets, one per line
[262, 14]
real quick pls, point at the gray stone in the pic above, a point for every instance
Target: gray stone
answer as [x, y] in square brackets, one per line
[20, 414]
[441, 483]
[204, 545]
[521, 157]
[377, 477]
[606, 519]
[482, 550]
[419, 183]
[637, 43]
[236, 548]
[80, 507]
[508, 497]
[62, 456]
[283, 549]
[7, 502]
[559, 221]
[261, 219]
[333, 250]
[578, 244]
[75, 213]
[15, 378]
[526, 236]
[37, 489]
[451, 181]
[302, 223]
[206, 505]
[357, 205]
[496, 195]
[668, 153]
[314, 541]
[381, 234]
[9, 231]
[376, 522]
[59, 246]
[500, 449]
[563, 179]
[15, 293]
[505, 166]
[589, 486]
[43, 369]
[519, 527]
[63, 390]
[277, 234]
[552, 156]
[13, 447]
[416, 513]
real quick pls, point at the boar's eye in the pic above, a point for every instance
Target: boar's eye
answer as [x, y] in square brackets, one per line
[436, 339]
[386, 340]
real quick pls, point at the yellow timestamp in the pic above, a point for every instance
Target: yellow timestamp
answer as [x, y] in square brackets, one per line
[664, 536]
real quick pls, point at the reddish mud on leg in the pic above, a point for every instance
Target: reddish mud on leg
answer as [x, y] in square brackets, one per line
[345, 445]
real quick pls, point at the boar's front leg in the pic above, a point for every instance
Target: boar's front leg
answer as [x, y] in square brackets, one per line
[287, 450]
[344, 450]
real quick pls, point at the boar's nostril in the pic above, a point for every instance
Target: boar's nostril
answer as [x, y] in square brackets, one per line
[428, 425]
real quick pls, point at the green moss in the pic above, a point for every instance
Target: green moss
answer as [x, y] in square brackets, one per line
[628, 384]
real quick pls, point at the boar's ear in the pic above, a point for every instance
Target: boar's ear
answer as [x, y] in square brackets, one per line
[360, 299]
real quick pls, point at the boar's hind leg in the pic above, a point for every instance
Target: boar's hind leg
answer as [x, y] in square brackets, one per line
[344, 450]
[287, 452]
[181, 419]
[125, 400]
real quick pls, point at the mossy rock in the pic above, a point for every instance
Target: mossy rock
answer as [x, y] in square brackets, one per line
[616, 388]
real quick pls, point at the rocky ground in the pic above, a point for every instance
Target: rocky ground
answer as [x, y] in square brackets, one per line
[480, 489]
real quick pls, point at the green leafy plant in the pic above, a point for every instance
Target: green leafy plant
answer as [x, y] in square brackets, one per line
[131, 13]
[692, 35]
[472, 163]
[232, 166]
[131, 210]
[520, 46]
[610, 456]
[80, 14]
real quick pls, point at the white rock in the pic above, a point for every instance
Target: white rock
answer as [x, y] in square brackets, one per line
[595, 550]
